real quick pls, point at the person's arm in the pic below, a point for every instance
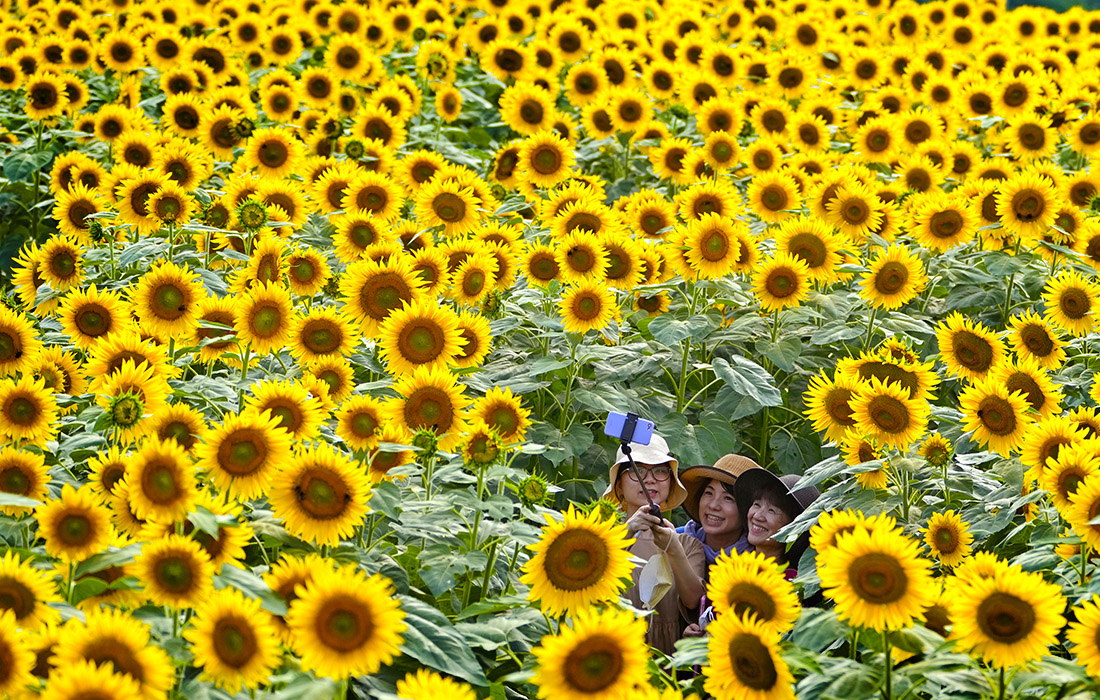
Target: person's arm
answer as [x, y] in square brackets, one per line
[687, 573]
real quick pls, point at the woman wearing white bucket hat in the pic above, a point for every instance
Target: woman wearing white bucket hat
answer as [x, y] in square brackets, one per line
[668, 553]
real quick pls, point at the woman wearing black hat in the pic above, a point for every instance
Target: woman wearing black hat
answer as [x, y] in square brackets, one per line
[770, 503]
[680, 582]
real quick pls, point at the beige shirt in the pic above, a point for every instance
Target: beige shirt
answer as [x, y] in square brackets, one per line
[673, 614]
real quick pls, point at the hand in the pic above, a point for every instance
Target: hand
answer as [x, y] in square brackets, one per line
[642, 520]
[694, 630]
[663, 534]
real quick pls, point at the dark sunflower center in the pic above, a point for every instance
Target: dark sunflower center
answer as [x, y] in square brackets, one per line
[429, 407]
[1074, 303]
[715, 246]
[889, 414]
[945, 224]
[946, 540]
[752, 662]
[234, 641]
[576, 560]
[421, 342]
[344, 624]
[546, 160]
[242, 452]
[449, 207]
[747, 597]
[169, 301]
[174, 573]
[782, 283]
[878, 578]
[1005, 619]
[973, 352]
[1036, 339]
[1028, 205]
[594, 664]
[997, 415]
[322, 494]
[321, 336]
[892, 278]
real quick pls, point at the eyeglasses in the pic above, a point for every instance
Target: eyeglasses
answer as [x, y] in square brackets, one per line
[661, 473]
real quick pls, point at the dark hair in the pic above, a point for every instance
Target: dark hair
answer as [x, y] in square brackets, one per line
[730, 490]
[699, 494]
[775, 494]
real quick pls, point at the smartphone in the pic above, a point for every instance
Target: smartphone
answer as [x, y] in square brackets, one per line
[629, 427]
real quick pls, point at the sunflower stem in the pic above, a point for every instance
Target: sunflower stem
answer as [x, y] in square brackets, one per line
[1001, 684]
[870, 328]
[111, 250]
[1008, 299]
[681, 389]
[35, 213]
[1084, 562]
[888, 668]
[853, 651]
[70, 587]
[244, 373]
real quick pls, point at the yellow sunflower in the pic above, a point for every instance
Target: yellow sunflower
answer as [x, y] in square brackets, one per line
[175, 571]
[165, 301]
[345, 623]
[814, 241]
[1064, 472]
[1027, 376]
[1006, 619]
[474, 278]
[781, 282]
[89, 314]
[323, 332]
[423, 684]
[26, 593]
[320, 494]
[291, 404]
[447, 203]
[161, 480]
[888, 413]
[579, 561]
[475, 331]
[234, 641]
[1070, 300]
[75, 525]
[948, 538]
[263, 317]
[998, 417]
[419, 335]
[545, 159]
[86, 679]
[743, 661]
[1027, 205]
[969, 349]
[430, 399]
[28, 411]
[503, 411]
[373, 290]
[894, 277]
[1084, 634]
[877, 578]
[829, 404]
[19, 661]
[359, 421]
[114, 638]
[587, 306]
[602, 653]
[713, 243]
[242, 452]
[19, 343]
[753, 585]
[1034, 336]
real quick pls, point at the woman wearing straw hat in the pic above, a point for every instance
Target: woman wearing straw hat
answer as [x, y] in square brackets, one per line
[770, 503]
[682, 561]
[716, 521]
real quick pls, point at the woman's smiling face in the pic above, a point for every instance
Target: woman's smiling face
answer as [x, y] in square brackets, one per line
[718, 514]
[764, 520]
[632, 491]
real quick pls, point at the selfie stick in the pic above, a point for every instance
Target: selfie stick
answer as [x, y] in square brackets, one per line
[625, 437]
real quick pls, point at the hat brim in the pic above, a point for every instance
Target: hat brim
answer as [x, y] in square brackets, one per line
[696, 478]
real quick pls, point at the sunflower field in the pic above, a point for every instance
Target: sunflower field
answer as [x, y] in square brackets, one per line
[313, 311]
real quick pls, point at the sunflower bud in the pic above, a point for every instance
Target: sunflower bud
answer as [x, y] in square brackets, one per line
[252, 215]
[96, 232]
[534, 491]
[426, 441]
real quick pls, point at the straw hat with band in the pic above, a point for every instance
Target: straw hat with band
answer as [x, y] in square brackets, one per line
[726, 470]
[797, 501]
[653, 454]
